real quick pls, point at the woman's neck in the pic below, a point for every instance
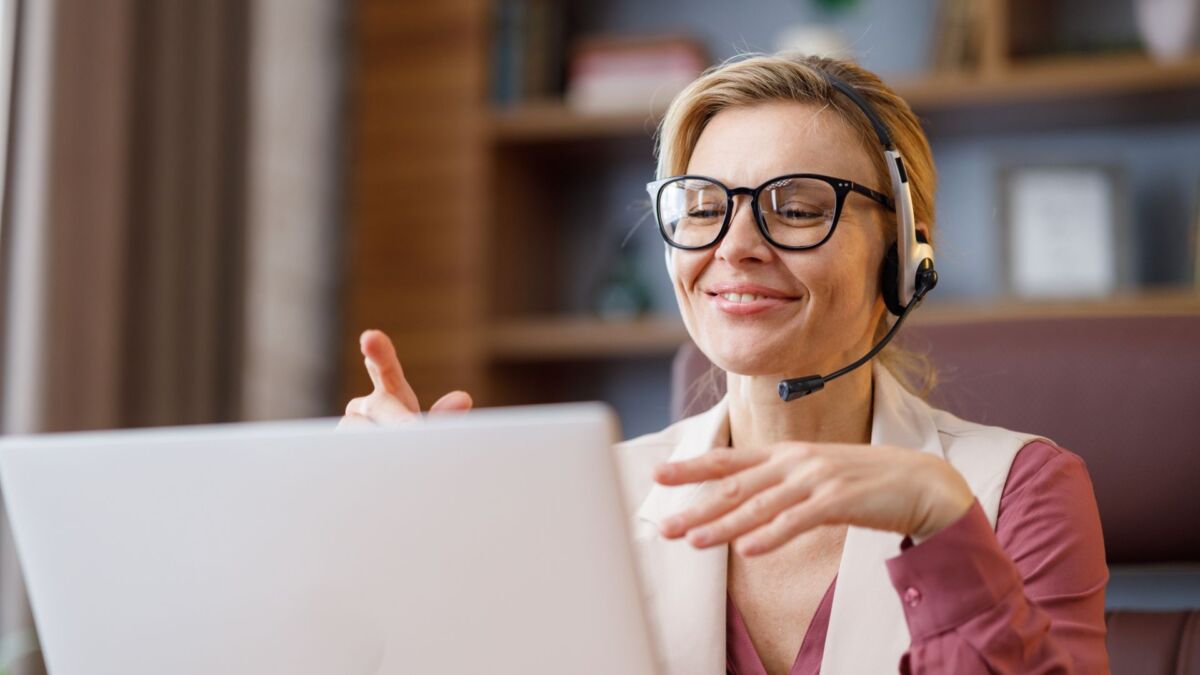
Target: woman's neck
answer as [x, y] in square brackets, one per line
[840, 413]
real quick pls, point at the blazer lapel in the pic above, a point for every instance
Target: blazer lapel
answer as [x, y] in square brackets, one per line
[868, 632]
[685, 587]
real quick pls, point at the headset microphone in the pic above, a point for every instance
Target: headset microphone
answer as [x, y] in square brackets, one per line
[797, 387]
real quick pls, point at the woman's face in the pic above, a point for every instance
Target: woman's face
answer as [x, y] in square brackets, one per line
[822, 305]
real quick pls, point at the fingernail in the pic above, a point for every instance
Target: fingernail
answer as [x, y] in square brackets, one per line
[699, 537]
[672, 525]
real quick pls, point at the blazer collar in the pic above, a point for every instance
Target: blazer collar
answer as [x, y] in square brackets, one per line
[698, 435]
[898, 418]
[901, 419]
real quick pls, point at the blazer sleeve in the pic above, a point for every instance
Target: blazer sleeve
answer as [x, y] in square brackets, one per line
[1025, 598]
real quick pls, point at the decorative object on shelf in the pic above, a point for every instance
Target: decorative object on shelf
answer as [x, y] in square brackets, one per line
[959, 35]
[1065, 233]
[623, 292]
[835, 5]
[527, 50]
[631, 74]
[1168, 27]
[1195, 239]
[819, 38]
[814, 39]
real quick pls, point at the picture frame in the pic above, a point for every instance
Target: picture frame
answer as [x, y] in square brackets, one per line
[1194, 238]
[1065, 230]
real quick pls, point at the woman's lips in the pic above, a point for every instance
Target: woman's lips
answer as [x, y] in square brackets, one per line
[744, 307]
[743, 299]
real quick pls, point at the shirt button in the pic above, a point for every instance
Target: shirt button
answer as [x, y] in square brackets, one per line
[912, 597]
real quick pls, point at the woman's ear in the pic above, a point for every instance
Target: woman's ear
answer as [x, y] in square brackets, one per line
[923, 233]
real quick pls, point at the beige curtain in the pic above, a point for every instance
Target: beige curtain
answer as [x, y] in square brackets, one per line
[294, 248]
[163, 206]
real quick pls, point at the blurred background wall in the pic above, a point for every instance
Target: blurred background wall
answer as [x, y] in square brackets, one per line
[206, 202]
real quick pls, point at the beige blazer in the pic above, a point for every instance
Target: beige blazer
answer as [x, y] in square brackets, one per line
[685, 588]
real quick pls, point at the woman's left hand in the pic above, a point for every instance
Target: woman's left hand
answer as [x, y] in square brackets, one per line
[766, 497]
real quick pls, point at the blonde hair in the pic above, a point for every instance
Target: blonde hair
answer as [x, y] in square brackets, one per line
[755, 79]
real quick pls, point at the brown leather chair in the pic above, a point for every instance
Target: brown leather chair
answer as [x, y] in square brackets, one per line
[1123, 392]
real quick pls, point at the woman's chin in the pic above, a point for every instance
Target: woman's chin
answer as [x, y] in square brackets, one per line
[747, 361]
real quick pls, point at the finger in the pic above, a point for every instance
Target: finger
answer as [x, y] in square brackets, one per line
[729, 494]
[380, 408]
[384, 367]
[387, 409]
[750, 515]
[786, 526]
[353, 421]
[716, 463]
[355, 407]
[454, 402]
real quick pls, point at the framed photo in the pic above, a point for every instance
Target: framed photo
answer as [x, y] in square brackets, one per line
[1065, 230]
[1194, 233]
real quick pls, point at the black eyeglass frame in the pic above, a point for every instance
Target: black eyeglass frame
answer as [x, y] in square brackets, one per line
[841, 188]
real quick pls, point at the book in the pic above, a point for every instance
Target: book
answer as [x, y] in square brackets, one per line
[526, 51]
[631, 74]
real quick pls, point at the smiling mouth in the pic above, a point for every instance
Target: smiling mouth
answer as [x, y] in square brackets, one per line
[747, 304]
[742, 297]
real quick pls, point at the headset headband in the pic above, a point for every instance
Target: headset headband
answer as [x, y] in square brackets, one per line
[885, 138]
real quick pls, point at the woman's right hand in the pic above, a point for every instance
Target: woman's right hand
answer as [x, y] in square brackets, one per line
[393, 400]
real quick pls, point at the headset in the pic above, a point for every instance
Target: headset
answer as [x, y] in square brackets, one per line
[908, 273]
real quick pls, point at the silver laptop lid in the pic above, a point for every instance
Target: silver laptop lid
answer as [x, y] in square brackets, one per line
[492, 542]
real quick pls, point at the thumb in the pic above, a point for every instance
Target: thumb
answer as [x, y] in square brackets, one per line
[455, 401]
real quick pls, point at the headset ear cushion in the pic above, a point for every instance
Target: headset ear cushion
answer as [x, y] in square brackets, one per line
[891, 276]
[891, 281]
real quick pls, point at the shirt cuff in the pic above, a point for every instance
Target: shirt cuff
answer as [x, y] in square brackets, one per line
[952, 576]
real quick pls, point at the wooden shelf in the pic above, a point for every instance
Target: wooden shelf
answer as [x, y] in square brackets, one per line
[1150, 302]
[583, 337]
[554, 121]
[1048, 80]
[552, 338]
[1051, 79]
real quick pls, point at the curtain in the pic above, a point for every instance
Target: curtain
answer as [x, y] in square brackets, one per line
[168, 239]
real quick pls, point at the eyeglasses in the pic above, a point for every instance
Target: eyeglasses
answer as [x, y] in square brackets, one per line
[794, 212]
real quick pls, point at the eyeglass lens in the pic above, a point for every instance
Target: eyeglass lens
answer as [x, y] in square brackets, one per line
[796, 212]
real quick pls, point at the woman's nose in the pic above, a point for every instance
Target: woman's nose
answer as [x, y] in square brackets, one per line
[743, 241]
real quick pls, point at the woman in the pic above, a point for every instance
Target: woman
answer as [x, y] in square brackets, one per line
[856, 529]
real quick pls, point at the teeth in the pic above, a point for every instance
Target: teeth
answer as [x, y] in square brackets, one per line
[742, 297]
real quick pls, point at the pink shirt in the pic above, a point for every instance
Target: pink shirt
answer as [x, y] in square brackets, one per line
[1028, 597]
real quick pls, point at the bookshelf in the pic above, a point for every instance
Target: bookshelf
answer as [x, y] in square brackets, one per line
[471, 302]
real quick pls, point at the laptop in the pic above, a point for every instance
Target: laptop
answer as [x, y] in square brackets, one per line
[492, 542]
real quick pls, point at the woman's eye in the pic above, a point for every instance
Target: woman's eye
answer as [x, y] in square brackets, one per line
[701, 212]
[801, 214]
